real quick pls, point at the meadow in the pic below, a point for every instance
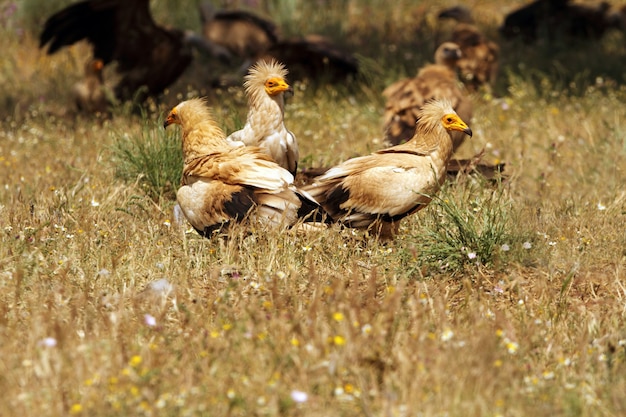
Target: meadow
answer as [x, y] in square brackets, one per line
[503, 298]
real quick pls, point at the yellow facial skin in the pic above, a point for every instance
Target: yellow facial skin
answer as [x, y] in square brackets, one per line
[171, 118]
[274, 86]
[454, 122]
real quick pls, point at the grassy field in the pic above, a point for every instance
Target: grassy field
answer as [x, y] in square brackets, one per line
[496, 300]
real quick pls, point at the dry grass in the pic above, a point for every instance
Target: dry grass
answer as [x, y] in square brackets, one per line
[252, 324]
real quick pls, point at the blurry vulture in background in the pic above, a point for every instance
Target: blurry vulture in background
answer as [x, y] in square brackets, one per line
[405, 98]
[149, 57]
[559, 19]
[314, 57]
[252, 38]
[478, 64]
[89, 92]
[242, 33]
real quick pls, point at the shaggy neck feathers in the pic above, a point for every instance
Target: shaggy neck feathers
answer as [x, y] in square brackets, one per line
[430, 131]
[201, 135]
[266, 112]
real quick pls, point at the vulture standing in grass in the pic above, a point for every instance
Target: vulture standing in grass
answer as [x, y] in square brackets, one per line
[89, 92]
[149, 57]
[266, 85]
[557, 19]
[223, 184]
[376, 191]
[478, 65]
[405, 98]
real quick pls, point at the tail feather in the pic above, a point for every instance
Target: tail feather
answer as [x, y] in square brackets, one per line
[310, 210]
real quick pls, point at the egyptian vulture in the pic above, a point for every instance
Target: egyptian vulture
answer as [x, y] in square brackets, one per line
[557, 19]
[149, 57]
[405, 98]
[266, 85]
[89, 93]
[222, 184]
[478, 65]
[376, 191]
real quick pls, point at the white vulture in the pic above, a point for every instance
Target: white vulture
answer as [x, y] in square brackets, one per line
[89, 92]
[405, 98]
[266, 85]
[222, 184]
[376, 191]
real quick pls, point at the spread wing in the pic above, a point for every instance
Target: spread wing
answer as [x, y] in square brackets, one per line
[122, 31]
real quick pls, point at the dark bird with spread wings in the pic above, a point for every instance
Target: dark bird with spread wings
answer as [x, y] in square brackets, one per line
[149, 57]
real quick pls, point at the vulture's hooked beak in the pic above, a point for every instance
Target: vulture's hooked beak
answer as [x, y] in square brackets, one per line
[275, 86]
[454, 122]
[170, 119]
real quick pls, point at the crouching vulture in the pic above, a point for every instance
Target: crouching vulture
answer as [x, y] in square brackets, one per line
[478, 65]
[253, 38]
[149, 57]
[559, 18]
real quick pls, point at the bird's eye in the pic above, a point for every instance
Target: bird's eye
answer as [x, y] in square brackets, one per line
[449, 119]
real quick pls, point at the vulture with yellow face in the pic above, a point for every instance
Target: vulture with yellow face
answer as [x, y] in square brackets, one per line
[222, 184]
[405, 98]
[149, 57]
[478, 65]
[376, 191]
[89, 92]
[266, 85]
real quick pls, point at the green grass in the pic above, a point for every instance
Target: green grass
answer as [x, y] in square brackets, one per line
[360, 327]
[473, 228]
[153, 159]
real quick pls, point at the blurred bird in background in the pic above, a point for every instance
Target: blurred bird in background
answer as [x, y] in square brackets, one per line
[405, 98]
[149, 57]
[559, 19]
[479, 62]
